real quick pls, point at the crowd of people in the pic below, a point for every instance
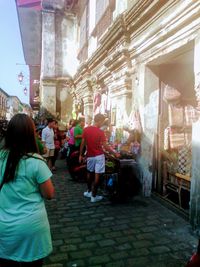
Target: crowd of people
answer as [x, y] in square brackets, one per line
[28, 155]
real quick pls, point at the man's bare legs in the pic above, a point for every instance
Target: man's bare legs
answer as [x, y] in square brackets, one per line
[90, 176]
[95, 184]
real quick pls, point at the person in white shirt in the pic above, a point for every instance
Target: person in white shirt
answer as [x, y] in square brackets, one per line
[48, 139]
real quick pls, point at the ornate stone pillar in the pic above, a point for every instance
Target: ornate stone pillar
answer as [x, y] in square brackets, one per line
[48, 96]
[48, 84]
[120, 85]
[86, 93]
[121, 95]
[64, 100]
[88, 105]
[58, 57]
[48, 44]
[73, 96]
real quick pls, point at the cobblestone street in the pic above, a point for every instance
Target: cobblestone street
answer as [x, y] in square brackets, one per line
[142, 233]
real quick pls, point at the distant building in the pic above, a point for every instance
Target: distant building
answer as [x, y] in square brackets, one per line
[11, 105]
[14, 106]
[3, 104]
[26, 108]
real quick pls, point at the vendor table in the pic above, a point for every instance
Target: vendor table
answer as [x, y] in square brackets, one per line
[127, 179]
[176, 182]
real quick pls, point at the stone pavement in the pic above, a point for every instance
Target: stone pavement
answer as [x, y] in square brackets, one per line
[141, 233]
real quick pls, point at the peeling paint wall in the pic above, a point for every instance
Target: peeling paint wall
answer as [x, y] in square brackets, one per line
[69, 45]
[59, 50]
[48, 44]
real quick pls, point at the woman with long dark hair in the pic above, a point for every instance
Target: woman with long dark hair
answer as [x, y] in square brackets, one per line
[24, 183]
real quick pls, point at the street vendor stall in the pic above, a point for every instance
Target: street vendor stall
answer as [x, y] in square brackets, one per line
[122, 178]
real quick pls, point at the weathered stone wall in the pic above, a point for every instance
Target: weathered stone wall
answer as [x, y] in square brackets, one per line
[48, 62]
[151, 41]
[103, 23]
[69, 46]
[53, 4]
[149, 31]
[81, 7]
[64, 103]
[127, 62]
[131, 3]
[48, 44]
[48, 96]
[59, 50]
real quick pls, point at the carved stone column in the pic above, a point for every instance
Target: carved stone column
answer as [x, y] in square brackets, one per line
[86, 94]
[64, 100]
[48, 44]
[88, 105]
[48, 83]
[73, 97]
[58, 46]
[66, 44]
[48, 96]
[121, 93]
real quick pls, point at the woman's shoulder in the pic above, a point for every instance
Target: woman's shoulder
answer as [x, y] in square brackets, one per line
[35, 156]
[3, 153]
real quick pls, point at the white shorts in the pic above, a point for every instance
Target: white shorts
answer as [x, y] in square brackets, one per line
[49, 153]
[96, 164]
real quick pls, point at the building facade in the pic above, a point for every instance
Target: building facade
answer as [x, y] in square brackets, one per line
[11, 105]
[3, 104]
[138, 62]
[14, 106]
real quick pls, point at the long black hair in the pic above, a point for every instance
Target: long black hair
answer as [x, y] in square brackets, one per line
[19, 141]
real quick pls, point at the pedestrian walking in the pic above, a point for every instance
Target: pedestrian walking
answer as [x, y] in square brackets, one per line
[70, 134]
[95, 140]
[40, 144]
[78, 130]
[25, 238]
[48, 139]
[57, 144]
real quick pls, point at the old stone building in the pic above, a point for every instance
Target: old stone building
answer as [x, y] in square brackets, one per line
[11, 105]
[3, 104]
[135, 60]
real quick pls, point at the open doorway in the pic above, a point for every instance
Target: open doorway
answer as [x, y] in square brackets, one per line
[176, 113]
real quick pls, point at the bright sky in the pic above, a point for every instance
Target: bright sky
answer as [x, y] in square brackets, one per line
[11, 52]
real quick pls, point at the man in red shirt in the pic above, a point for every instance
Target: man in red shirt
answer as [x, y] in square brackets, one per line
[95, 140]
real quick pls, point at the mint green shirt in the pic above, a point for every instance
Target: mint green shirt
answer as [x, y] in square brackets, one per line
[24, 227]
